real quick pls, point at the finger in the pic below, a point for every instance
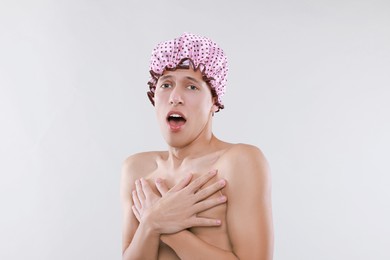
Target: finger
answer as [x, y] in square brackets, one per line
[146, 188]
[199, 182]
[136, 201]
[183, 183]
[140, 192]
[136, 213]
[161, 186]
[208, 203]
[204, 222]
[208, 191]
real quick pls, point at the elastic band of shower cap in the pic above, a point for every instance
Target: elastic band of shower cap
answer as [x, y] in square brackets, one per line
[190, 50]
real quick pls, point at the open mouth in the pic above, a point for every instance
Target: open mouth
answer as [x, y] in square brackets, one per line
[176, 120]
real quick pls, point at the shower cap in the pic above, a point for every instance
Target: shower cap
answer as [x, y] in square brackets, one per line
[190, 50]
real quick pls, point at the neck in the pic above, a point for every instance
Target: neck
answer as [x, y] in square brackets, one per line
[179, 156]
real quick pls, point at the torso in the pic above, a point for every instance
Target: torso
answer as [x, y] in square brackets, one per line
[217, 236]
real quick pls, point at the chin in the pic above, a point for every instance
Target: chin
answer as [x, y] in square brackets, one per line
[176, 142]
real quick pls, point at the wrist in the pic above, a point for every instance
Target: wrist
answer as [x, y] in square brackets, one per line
[150, 226]
[167, 238]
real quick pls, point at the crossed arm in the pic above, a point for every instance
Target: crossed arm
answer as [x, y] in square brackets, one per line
[166, 217]
[175, 211]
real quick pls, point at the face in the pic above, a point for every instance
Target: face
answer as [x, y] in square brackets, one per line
[184, 106]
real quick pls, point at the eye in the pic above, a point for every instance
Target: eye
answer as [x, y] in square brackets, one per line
[165, 85]
[192, 87]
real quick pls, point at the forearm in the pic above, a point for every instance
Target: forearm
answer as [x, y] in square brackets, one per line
[144, 244]
[186, 245]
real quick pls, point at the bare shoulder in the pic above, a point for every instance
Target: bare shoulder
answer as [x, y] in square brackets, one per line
[245, 149]
[140, 164]
[135, 167]
[244, 154]
[244, 162]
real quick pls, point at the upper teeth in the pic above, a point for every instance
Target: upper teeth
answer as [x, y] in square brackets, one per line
[175, 115]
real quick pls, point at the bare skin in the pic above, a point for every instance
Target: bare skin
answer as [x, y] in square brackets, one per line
[172, 214]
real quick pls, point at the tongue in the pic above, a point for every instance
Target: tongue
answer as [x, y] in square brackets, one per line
[176, 123]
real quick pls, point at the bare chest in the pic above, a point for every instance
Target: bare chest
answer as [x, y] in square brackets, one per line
[217, 236]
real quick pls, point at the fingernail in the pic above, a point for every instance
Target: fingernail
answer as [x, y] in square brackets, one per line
[213, 172]
[158, 180]
[222, 182]
[222, 198]
[218, 222]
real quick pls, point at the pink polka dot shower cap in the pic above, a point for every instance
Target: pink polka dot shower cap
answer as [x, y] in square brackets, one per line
[191, 50]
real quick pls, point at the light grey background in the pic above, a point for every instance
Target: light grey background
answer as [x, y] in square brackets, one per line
[309, 84]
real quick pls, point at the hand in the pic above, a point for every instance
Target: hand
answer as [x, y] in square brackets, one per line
[141, 202]
[176, 209]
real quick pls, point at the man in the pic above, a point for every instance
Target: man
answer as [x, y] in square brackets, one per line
[203, 198]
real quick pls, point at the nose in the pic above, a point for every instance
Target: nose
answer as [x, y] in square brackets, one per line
[176, 102]
[176, 98]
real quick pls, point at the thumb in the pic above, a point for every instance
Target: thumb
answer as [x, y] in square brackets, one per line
[161, 186]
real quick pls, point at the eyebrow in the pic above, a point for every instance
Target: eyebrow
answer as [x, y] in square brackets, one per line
[192, 79]
[165, 77]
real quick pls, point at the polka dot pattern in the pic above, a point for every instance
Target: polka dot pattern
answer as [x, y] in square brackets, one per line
[203, 54]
